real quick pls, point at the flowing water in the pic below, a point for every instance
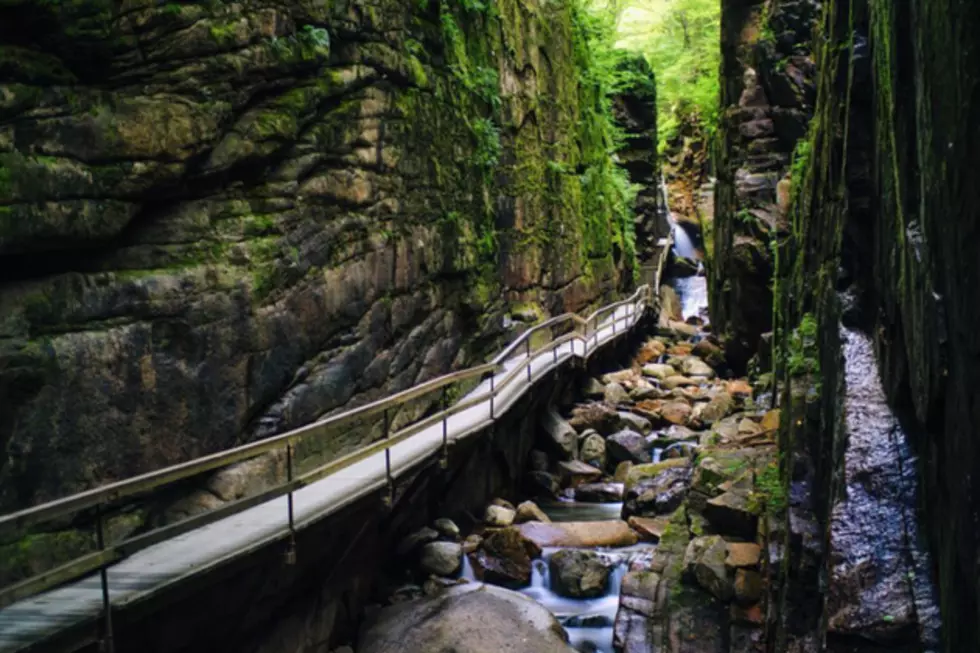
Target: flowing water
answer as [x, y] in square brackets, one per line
[881, 580]
[692, 291]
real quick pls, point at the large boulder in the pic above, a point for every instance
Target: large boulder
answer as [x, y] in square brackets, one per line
[530, 511]
[610, 533]
[628, 445]
[593, 450]
[658, 371]
[599, 492]
[498, 516]
[504, 557]
[578, 574]
[414, 541]
[704, 562]
[562, 439]
[470, 618]
[720, 406]
[635, 422]
[696, 368]
[660, 494]
[596, 416]
[575, 472]
[441, 558]
[731, 513]
[615, 394]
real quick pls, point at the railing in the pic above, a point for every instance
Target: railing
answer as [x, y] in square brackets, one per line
[101, 500]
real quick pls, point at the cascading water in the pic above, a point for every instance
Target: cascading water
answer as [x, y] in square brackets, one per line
[692, 291]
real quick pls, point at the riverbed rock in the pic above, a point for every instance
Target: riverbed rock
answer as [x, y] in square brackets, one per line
[770, 421]
[593, 450]
[748, 586]
[470, 618]
[635, 422]
[608, 533]
[447, 528]
[739, 388]
[719, 406]
[681, 349]
[441, 558]
[704, 561]
[659, 495]
[649, 528]
[498, 516]
[530, 511]
[472, 543]
[659, 371]
[694, 367]
[593, 389]
[677, 381]
[730, 514]
[615, 394]
[628, 445]
[743, 554]
[541, 484]
[622, 471]
[504, 557]
[748, 427]
[676, 412]
[597, 416]
[562, 438]
[578, 574]
[413, 542]
[651, 350]
[599, 492]
[576, 472]
[710, 352]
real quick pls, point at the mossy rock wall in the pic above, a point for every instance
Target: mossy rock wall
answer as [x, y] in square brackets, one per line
[219, 221]
[886, 211]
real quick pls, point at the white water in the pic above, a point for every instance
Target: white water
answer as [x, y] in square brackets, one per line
[692, 291]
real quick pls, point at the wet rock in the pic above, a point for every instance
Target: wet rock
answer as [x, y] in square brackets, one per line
[643, 598]
[677, 381]
[676, 412]
[729, 513]
[748, 586]
[622, 471]
[651, 350]
[472, 543]
[530, 511]
[593, 389]
[441, 558]
[411, 543]
[743, 554]
[719, 406]
[499, 516]
[695, 368]
[708, 475]
[578, 574]
[658, 371]
[599, 492]
[748, 427]
[541, 484]
[504, 557]
[680, 266]
[561, 436]
[446, 528]
[644, 391]
[575, 472]
[677, 433]
[626, 378]
[681, 349]
[470, 618]
[650, 529]
[635, 422]
[659, 495]
[770, 421]
[601, 418]
[615, 394]
[678, 329]
[593, 450]
[704, 561]
[710, 352]
[671, 308]
[610, 533]
[685, 450]
[627, 445]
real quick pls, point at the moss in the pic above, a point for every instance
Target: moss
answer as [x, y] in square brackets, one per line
[34, 554]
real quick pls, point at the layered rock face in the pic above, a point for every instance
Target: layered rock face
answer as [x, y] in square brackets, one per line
[220, 221]
[896, 122]
[768, 94]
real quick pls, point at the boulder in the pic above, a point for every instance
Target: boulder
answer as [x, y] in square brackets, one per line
[719, 406]
[708, 475]
[677, 381]
[739, 388]
[704, 562]
[680, 349]
[593, 450]
[469, 618]
[615, 394]
[678, 329]
[610, 533]
[441, 558]
[709, 351]
[743, 554]
[472, 543]
[504, 557]
[599, 492]
[650, 529]
[729, 513]
[561, 436]
[446, 528]
[658, 371]
[748, 427]
[575, 472]
[748, 586]
[540, 484]
[677, 433]
[635, 422]
[645, 390]
[622, 471]
[627, 445]
[676, 412]
[650, 351]
[530, 511]
[499, 516]
[626, 378]
[593, 389]
[770, 421]
[601, 418]
[680, 450]
[696, 368]
[670, 305]
[412, 543]
[659, 495]
[578, 574]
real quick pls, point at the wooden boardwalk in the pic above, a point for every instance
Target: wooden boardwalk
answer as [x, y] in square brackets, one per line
[28, 624]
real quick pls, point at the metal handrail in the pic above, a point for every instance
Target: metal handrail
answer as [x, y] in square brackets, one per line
[99, 497]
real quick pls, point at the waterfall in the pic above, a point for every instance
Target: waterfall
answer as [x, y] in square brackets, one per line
[692, 291]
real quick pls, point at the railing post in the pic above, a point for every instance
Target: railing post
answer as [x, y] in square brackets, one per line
[493, 392]
[595, 332]
[527, 349]
[389, 498]
[291, 550]
[554, 352]
[108, 644]
[444, 463]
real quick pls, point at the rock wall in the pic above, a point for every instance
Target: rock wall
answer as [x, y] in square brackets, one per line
[219, 221]
[884, 214]
[767, 95]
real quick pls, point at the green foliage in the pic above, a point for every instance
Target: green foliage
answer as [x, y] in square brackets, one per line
[746, 217]
[769, 494]
[487, 136]
[802, 357]
[682, 44]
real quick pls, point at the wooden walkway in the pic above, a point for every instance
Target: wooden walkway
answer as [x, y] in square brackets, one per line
[27, 624]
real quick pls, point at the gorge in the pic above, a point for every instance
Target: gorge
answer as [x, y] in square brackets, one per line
[475, 325]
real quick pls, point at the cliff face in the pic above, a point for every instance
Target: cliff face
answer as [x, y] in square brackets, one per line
[886, 213]
[221, 220]
[767, 96]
